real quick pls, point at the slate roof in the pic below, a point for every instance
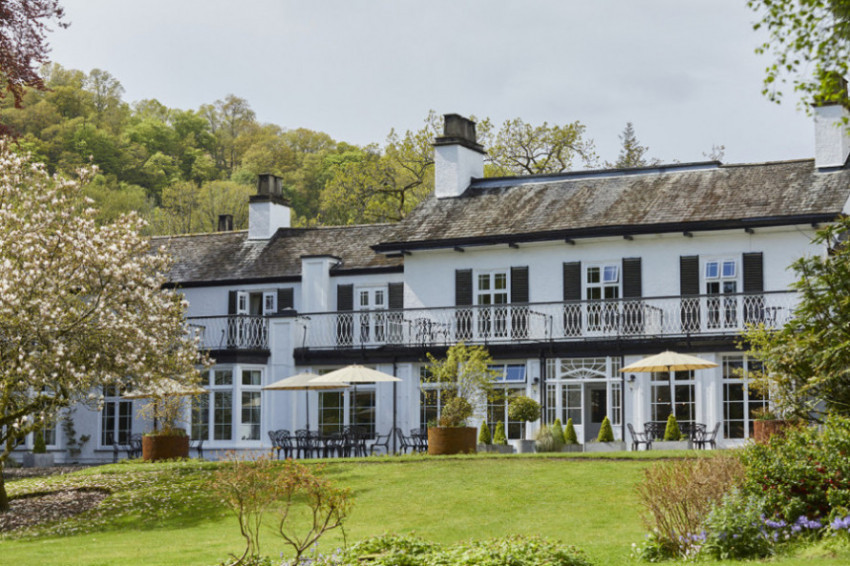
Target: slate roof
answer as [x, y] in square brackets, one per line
[229, 256]
[666, 198]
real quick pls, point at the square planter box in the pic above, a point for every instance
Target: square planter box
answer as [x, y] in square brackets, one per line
[572, 448]
[524, 446]
[671, 445]
[38, 460]
[496, 448]
[605, 447]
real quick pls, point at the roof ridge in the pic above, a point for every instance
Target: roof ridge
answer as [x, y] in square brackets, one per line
[197, 234]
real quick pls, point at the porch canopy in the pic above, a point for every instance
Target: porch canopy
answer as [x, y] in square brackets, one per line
[668, 361]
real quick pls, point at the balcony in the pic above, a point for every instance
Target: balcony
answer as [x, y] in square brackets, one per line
[234, 332]
[621, 319]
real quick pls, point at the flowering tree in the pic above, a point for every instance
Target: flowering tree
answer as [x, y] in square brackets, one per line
[81, 305]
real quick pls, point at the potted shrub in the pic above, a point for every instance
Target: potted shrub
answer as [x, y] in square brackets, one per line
[38, 458]
[525, 409]
[570, 438]
[605, 440]
[766, 424]
[467, 369]
[165, 406]
[672, 439]
[485, 440]
[500, 441]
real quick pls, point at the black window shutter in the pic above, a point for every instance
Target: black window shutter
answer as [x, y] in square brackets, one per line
[463, 287]
[519, 284]
[689, 274]
[285, 299]
[572, 281]
[689, 287]
[632, 278]
[519, 295]
[231, 302]
[632, 289]
[753, 273]
[463, 298]
[395, 300]
[344, 322]
[753, 267]
[572, 292]
[345, 297]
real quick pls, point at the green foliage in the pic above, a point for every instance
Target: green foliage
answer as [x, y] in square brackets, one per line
[558, 429]
[484, 434]
[253, 488]
[808, 42]
[632, 154]
[570, 436]
[518, 148]
[455, 412]
[806, 361]
[606, 433]
[499, 437]
[38, 445]
[671, 431]
[465, 369]
[676, 496]
[522, 408]
[549, 440]
[394, 550]
[735, 529]
[803, 473]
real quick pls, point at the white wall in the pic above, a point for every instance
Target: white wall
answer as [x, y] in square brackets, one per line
[429, 276]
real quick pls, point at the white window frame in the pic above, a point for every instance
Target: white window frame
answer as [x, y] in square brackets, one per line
[117, 401]
[744, 381]
[492, 317]
[269, 302]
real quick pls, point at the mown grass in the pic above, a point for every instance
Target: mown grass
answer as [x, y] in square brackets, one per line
[165, 514]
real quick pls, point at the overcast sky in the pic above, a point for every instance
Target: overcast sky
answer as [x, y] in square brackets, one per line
[684, 72]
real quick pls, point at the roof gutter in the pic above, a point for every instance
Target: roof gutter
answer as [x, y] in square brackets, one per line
[607, 231]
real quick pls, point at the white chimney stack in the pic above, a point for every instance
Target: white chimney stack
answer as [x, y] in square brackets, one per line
[832, 142]
[267, 210]
[458, 158]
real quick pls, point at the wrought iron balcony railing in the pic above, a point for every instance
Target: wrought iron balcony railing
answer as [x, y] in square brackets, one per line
[646, 317]
[234, 332]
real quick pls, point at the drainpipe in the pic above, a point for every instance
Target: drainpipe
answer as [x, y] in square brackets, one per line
[623, 399]
[395, 396]
[542, 386]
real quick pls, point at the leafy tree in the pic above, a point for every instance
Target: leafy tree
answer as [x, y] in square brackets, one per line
[23, 43]
[484, 434]
[809, 42]
[81, 305]
[632, 154]
[383, 186]
[465, 367]
[499, 437]
[671, 431]
[518, 148]
[807, 361]
[570, 436]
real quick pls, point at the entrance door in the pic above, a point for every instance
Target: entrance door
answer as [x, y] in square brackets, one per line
[596, 407]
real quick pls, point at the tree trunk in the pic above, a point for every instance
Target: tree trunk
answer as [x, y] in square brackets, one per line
[4, 498]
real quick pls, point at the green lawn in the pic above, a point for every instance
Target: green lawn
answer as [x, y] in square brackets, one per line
[164, 515]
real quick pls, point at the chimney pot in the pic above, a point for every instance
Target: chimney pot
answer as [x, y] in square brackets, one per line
[458, 157]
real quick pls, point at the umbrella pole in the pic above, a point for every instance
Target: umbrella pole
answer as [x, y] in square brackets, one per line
[307, 407]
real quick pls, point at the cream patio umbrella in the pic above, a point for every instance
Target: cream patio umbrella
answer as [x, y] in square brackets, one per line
[302, 381]
[668, 361]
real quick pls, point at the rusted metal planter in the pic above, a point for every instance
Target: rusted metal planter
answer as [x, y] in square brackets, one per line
[763, 430]
[452, 440]
[161, 447]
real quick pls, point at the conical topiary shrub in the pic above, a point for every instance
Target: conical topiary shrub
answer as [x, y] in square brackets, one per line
[484, 434]
[606, 433]
[558, 430]
[570, 436]
[38, 444]
[672, 432]
[499, 436]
